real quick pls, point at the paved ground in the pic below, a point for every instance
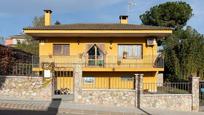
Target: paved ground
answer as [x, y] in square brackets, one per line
[202, 108]
[67, 108]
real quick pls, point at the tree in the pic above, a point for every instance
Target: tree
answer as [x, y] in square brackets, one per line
[57, 23]
[183, 50]
[169, 14]
[30, 45]
[38, 21]
[1, 40]
[184, 54]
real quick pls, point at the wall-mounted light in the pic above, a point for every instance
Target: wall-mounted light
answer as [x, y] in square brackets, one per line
[78, 42]
[111, 43]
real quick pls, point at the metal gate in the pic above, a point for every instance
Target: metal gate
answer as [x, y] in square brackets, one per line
[201, 93]
[63, 85]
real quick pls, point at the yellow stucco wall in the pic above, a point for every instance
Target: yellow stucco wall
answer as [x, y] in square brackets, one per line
[114, 80]
[103, 80]
[111, 80]
[79, 46]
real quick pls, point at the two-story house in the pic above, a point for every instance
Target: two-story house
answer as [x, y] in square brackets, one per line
[109, 53]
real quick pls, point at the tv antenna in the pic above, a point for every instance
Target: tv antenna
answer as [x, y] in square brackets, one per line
[131, 5]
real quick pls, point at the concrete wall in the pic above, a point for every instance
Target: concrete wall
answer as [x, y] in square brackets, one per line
[179, 102]
[25, 88]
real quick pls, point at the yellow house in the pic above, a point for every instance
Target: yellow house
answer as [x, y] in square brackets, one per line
[109, 54]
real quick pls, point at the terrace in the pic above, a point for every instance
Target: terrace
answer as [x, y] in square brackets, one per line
[111, 62]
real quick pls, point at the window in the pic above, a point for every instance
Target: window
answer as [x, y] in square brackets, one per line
[18, 41]
[88, 80]
[61, 49]
[130, 51]
[95, 56]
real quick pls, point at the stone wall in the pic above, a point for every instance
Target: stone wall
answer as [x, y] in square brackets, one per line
[195, 93]
[25, 88]
[179, 102]
[127, 98]
[136, 98]
[124, 98]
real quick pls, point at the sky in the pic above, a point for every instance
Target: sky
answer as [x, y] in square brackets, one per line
[17, 14]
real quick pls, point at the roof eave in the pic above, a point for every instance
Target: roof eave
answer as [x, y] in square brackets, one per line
[97, 33]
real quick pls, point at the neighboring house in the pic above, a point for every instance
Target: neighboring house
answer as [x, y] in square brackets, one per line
[110, 54]
[14, 40]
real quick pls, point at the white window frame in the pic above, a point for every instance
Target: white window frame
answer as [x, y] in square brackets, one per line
[130, 57]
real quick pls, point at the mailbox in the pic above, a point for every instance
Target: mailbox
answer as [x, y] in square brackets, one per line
[47, 74]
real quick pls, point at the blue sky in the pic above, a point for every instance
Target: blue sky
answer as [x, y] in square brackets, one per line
[16, 14]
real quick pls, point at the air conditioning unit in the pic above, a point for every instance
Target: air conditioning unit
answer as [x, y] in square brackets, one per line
[151, 41]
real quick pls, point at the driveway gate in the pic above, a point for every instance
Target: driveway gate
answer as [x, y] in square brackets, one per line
[63, 85]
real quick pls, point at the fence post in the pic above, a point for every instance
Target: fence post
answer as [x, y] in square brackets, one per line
[138, 89]
[141, 83]
[195, 93]
[77, 74]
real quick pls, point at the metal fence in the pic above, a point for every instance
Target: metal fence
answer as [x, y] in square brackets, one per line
[18, 69]
[129, 84]
[167, 88]
[201, 96]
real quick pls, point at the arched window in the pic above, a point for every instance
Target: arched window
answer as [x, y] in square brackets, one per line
[95, 56]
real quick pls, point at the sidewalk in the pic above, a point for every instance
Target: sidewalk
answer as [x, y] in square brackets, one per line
[63, 107]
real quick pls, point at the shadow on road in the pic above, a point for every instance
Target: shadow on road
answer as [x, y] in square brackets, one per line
[51, 110]
[139, 97]
[144, 111]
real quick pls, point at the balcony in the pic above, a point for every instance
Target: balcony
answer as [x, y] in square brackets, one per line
[147, 61]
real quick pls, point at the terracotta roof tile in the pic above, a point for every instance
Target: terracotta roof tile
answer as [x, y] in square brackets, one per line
[98, 26]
